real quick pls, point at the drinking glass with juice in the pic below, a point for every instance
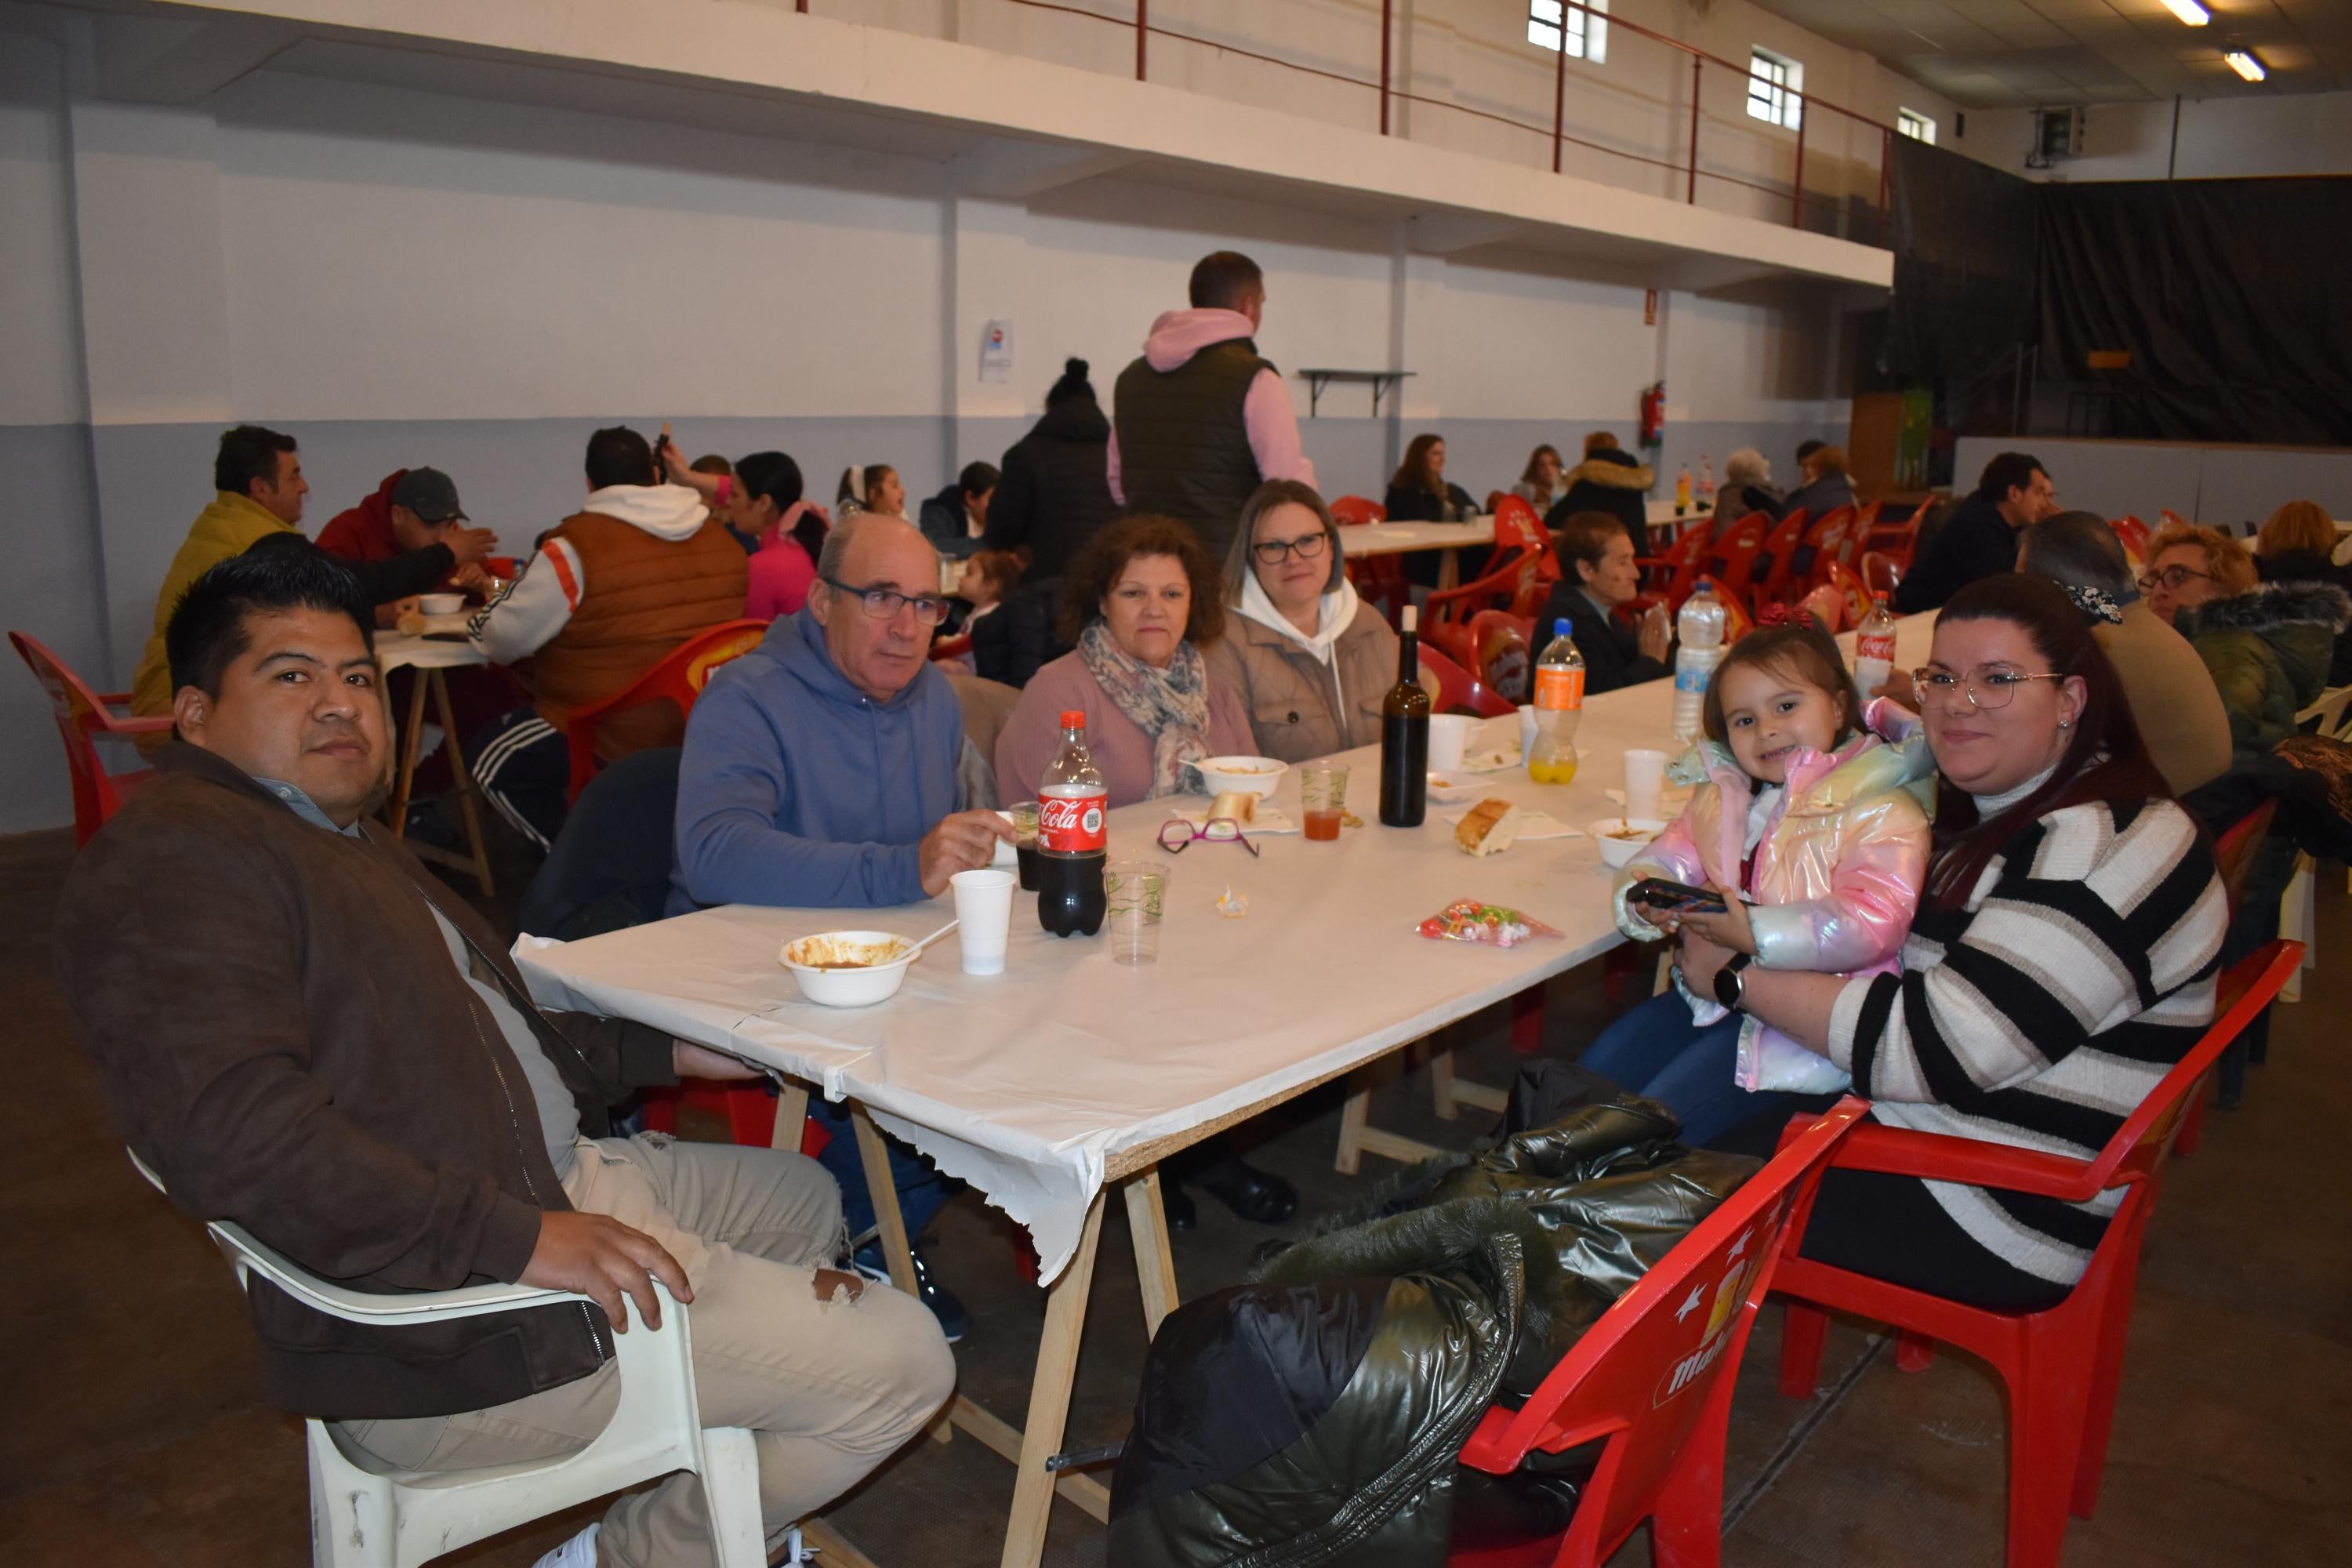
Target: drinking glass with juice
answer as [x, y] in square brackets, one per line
[1325, 792]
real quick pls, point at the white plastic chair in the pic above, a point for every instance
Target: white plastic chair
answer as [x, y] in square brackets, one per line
[2296, 922]
[364, 1514]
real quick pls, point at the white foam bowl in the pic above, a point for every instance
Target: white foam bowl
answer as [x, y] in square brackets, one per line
[1619, 852]
[440, 604]
[1240, 775]
[860, 987]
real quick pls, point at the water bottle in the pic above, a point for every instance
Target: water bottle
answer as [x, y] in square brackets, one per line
[1700, 626]
[1705, 478]
[1560, 707]
[1874, 649]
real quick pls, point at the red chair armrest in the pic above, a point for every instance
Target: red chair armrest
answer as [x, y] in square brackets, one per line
[1899, 1151]
[155, 726]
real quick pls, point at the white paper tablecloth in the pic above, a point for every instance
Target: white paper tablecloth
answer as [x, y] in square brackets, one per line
[1026, 1084]
[1403, 538]
[394, 650]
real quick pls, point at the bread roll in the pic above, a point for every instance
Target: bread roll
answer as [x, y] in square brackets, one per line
[1487, 827]
[1240, 806]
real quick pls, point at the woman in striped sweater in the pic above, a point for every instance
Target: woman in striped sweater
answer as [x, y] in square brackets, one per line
[2063, 959]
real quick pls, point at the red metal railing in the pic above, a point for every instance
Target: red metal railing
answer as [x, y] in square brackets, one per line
[1560, 137]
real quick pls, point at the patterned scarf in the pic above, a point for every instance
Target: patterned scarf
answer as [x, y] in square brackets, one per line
[2095, 603]
[1170, 705]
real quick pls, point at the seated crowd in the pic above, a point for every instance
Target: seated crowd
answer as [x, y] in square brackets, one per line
[1991, 916]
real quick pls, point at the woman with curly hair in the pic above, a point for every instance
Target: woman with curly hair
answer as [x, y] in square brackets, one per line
[1140, 602]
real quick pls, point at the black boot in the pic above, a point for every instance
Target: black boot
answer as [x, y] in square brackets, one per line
[1259, 1196]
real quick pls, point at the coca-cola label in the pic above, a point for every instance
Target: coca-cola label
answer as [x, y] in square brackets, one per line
[1875, 647]
[1559, 689]
[1070, 824]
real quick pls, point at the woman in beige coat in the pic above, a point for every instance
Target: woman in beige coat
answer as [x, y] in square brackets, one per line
[1310, 660]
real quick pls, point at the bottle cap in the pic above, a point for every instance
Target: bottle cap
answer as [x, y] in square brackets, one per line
[1559, 627]
[1073, 719]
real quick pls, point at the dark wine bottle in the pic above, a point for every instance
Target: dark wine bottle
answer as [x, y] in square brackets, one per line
[1404, 736]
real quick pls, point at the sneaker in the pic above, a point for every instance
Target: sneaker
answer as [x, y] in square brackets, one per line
[955, 1322]
[579, 1552]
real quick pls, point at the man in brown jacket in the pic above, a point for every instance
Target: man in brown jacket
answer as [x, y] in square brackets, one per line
[614, 589]
[300, 1030]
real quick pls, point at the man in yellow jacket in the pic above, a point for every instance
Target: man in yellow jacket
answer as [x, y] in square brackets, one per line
[258, 476]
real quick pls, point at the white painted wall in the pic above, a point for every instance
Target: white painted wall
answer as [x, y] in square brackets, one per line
[2219, 138]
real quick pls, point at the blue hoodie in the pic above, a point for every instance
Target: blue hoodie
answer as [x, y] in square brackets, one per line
[797, 788]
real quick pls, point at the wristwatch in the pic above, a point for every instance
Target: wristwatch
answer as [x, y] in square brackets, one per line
[1730, 985]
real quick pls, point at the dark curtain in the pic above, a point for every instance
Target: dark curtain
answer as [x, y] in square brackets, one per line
[1963, 235]
[2231, 296]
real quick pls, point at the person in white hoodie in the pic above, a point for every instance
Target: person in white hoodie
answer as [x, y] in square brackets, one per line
[1201, 419]
[613, 591]
[1311, 659]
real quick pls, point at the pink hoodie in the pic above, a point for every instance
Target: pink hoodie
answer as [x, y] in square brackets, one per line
[1267, 413]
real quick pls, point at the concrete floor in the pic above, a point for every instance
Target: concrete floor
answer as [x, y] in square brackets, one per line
[134, 1435]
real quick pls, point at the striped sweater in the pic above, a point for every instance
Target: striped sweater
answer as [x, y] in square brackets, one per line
[2041, 1012]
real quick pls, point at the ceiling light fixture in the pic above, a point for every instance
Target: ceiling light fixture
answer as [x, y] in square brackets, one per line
[2245, 64]
[2189, 11]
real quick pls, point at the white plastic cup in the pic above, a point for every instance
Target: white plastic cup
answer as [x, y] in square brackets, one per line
[1527, 728]
[1645, 782]
[1449, 737]
[983, 903]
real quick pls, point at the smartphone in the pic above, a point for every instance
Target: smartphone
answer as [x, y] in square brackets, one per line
[1676, 897]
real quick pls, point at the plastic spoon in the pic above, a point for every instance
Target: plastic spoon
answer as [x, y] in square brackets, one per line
[932, 938]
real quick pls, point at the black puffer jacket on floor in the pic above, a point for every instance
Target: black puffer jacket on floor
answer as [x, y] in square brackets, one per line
[1315, 1417]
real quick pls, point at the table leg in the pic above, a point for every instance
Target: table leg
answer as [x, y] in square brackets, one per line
[1449, 570]
[791, 1114]
[463, 777]
[410, 735]
[1155, 1265]
[882, 1191]
[1049, 1399]
[1441, 1082]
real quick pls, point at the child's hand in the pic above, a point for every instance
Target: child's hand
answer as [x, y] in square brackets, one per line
[1727, 930]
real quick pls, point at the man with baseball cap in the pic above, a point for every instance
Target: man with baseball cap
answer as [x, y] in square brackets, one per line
[409, 537]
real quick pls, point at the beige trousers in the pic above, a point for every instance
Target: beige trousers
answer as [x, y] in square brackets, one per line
[828, 1390]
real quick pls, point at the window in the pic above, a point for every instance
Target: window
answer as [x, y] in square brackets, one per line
[1916, 125]
[1587, 36]
[1773, 83]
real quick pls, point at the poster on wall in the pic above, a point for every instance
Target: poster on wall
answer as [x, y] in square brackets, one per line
[996, 351]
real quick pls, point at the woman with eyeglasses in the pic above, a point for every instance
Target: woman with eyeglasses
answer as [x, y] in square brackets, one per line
[2062, 960]
[2268, 645]
[1309, 660]
[1139, 603]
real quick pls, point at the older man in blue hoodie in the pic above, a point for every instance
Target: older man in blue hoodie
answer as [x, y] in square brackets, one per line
[819, 771]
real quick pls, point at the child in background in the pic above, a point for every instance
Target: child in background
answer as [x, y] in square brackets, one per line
[1810, 829]
[988, 576]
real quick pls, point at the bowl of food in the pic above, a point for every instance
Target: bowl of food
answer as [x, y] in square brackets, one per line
[1622, 838]
[1240, 775]
[440, 604]
[848, 968]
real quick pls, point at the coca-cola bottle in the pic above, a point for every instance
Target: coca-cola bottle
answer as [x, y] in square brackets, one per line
[1071, 802]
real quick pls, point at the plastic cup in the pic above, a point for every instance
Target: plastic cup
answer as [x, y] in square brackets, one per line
[1137, 894]
[1449, 737]
[1022, 850]
[1645, 782]
[984, 902]
[1323, 795]
[1526, 728]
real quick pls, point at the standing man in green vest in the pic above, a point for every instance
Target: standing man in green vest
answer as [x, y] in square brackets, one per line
[1201, 419]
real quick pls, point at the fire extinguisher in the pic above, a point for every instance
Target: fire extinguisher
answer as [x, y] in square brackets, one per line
[1654, 414]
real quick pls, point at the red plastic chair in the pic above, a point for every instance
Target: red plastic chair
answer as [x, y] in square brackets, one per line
[1775, 564]
[751, 1113]
[1853, 589]
[1668, 577]
[82, 716]
[2171, 519]
[1732, 560]
[1879, 573]
[678, 678]
[2135, 536]
[2060, 1366]
[1458, 689]
[1521, 545]
[1349, 510]
[1653, 1379]
[952, 648]
[1376, 577]
[1818, 551]
[1503, 647]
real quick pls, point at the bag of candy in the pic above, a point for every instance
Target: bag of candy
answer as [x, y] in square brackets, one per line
[1468, 920]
